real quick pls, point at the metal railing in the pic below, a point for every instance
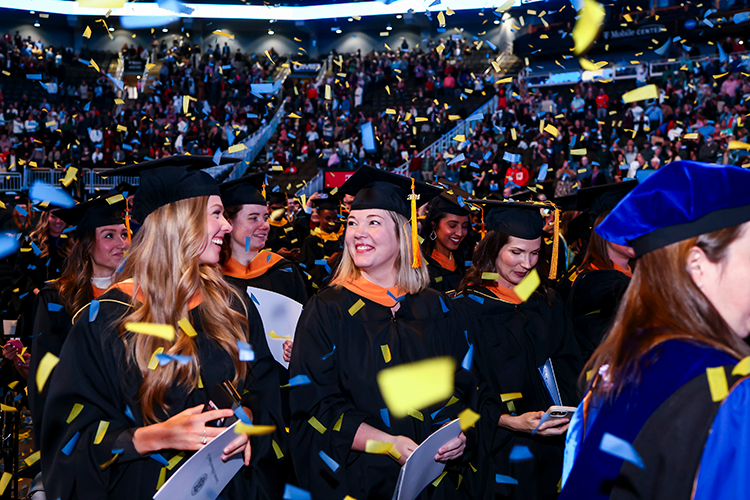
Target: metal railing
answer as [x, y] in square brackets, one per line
[465, 127]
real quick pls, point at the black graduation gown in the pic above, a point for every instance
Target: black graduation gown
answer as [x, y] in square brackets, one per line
[93, 372]
[283, 278]
[441, 279]
[32, 271]
[510, 343]
[592, 304]
[284, 235]
[343, 382]
[316, 249]
[51, 326]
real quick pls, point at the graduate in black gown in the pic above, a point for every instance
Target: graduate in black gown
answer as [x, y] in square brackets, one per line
[525, 357]
[600, 281]
[378, 313]
[119, 407]
[99, 246]
[322, 249]
[284, 237]
[446, 240]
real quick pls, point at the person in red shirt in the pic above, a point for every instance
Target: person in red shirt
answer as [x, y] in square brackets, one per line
[602, 102]
[517, 174]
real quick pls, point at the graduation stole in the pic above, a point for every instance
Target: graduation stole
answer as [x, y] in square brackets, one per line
[376, 293]
[505, 294]
[327, 236]
[262, 262]
[127, 288]
[283, 222]
[447, 263]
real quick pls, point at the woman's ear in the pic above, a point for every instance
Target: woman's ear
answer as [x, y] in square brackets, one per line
[696, 266]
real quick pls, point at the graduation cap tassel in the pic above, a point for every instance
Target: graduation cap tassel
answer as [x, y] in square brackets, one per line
[555, 246]
[416, 252]
[482, 226]
[127, 220]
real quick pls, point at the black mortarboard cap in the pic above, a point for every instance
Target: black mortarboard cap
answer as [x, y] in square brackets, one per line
[451, 201]
[600, 199]
[170, 179]
[518, 219]
[567, 202]
[102, 211]
[331, 202]
[276, 197]
[246, 190]
[373, 188]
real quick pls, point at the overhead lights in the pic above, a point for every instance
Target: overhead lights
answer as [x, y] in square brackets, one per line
[399, 16]
[36, 24]
[111, 28]
[497, 21]
[270, 32]
[32, 12]
[351, 19]
[389, 27]
[338, 31]
[164, 30]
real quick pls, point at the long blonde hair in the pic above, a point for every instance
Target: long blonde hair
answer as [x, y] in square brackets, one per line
[408, 279]
[163, 264]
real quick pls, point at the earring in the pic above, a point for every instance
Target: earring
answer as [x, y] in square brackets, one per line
[433, 235]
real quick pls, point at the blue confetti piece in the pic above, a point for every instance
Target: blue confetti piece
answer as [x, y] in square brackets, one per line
[500, 479]
[87, 106]
[19, 396]
[39, 76]
[165, 359]
[442, 304]
[217, 157]
[246, 351]
[476, 298]
[286, 269]
[544, 418]
[295, 493]
[52, 307]
[21, 211]
[299, 380]
[24, 295]
[159, 458]
[129, 413]
[117, 451]
[31, 266]
[386, 417]
[491, 45]
[468, 263]
[241, 415]
[37, 250]
[331, 463]
[247, 243]
[461, 202]
[41, 191]
[127, 147]
[445, 421]
[397, 299]
[620, 448]
[466, 363]
[93, 310]
[330, 353]
[320, 262]
[434, 414]
[252, 296]
[542, 173]
[520, 453]
[68, 448]
[268, 258]
[70, 229]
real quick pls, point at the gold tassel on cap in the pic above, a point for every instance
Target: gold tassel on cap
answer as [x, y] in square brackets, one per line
[555, 246]
[127, 220]
[415, 250]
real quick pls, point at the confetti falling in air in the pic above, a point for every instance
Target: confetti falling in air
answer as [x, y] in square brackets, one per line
[416, 385]
[620, 448]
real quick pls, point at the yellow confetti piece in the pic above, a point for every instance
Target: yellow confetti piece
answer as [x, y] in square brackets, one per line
[513, 134]
[588, 25]
[386, 353]
[578, 152]
[381, 448]
[165, 332]
[162, 478]
[419, 119]
[154, 361]
[742, 368]
[8, 408]
[717, 383]
[490, 276]
[416, 414]
[528, 285]
[115, 199]
[716, 77]
[74, 412]
[70, 176]
[87, 32]
[101, 4]
[460, 138]
[12, 386]
[328, 93]
[33, 458]
[254, 430]
[507, 5]
[275, 335]
[738, 145]
[416, 385]
[4, 481]
[46, 365]
[467, 418]
[641, 94]
[317, 425]
[551, 129]
[356, 307]
[691, 137]
[186, 327]
[119, 101]
[339, 422]
[175, 460]
[441, 19]
[390, 111]
[219, 32]
[101, 431]
[510, 396]
[122, 128]
[96, 66]
[236, 147]
[454, 117]
[449, 11]
[277, 450]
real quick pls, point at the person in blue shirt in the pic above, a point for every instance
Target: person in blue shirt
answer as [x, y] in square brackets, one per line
[664, 412]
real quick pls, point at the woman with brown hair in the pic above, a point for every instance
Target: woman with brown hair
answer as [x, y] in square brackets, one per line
[664, 415]
[101, 240]
[122, 402]
[525, 357]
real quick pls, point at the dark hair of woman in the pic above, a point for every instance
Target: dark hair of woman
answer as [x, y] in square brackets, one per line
[226, 248]
[40, 236]
[596, 252]
[485, 257]
[74, 285]
[662, 303]
[431, 223]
